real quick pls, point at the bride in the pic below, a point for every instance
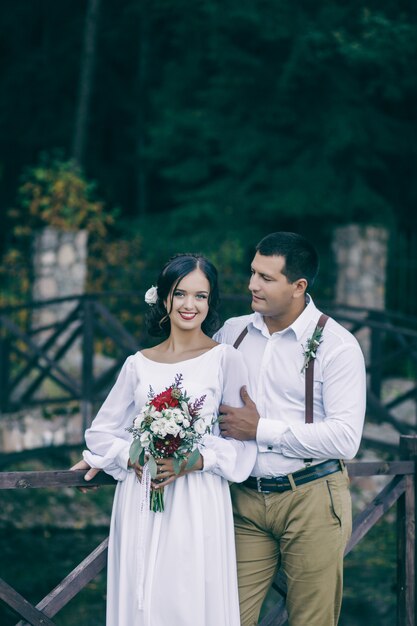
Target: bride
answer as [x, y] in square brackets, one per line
[175, 567]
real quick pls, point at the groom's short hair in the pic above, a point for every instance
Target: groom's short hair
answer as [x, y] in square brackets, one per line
[301, 258]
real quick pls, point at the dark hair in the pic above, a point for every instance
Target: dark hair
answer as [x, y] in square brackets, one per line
[157, 321]
[301, 258]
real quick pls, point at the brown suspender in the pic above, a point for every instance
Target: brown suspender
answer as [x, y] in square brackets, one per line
[241, 337]
[309, 376]
[309, 371]
[309, 383]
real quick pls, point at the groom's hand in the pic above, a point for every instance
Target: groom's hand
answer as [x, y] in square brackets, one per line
[239, 423]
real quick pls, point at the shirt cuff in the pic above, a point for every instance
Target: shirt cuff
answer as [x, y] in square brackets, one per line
[269, 434]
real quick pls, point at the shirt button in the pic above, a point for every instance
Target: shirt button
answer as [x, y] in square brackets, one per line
[270, 448]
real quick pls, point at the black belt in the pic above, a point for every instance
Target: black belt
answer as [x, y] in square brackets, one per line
[282, 483]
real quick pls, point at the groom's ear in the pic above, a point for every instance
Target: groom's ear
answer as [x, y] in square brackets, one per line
[300, 287]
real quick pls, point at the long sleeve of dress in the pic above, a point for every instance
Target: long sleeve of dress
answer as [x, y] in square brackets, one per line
[230, 458]
[107, 439]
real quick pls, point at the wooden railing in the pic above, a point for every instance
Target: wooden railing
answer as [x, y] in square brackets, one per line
[30, 356]
[401, 490]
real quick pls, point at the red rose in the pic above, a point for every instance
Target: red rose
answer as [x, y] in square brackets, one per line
[164, 400]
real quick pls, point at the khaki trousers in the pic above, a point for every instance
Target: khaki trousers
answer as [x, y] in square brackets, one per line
[305, 532]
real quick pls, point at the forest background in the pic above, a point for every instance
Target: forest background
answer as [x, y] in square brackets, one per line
[203, 126]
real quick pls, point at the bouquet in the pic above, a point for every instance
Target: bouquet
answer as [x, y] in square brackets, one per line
[168, 425]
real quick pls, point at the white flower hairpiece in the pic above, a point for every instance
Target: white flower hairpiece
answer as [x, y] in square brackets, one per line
[151, 296]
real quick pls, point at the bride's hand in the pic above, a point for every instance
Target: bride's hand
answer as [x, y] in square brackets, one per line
[166, 473]
[138, 469]
[92, 471]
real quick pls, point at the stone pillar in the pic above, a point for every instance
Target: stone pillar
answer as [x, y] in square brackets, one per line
[60, 270]
[361, 258]
[60, 263]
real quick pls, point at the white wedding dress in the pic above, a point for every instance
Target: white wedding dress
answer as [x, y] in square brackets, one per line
[176, 568]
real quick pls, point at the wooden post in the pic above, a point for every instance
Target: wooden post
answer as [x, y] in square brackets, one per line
[87, 382]
[375, 354]
[4, 371]
[406, 546]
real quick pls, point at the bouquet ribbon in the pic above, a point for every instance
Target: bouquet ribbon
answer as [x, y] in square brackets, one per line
[144, 511]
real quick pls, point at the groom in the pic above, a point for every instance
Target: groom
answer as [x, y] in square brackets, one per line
[307, 380]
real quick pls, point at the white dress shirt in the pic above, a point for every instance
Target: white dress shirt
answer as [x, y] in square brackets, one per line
[277, 386]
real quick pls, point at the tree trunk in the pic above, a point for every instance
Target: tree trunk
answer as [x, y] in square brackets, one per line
[88, 60]
[141, 99]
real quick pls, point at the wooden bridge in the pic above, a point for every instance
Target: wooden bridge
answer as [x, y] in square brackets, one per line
[401, 490]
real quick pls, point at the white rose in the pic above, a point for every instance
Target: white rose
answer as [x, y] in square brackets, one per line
[159, 427]
[138, 421]
[185, 423]
[177, 415]
[151, 296]
[172, 428]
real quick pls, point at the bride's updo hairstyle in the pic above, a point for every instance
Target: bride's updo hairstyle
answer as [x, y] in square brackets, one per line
[158, 323]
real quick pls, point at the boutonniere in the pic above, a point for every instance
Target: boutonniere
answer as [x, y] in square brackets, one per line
[311, 346]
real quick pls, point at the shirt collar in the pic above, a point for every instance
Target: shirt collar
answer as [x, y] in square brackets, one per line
[298, 327]
[259, 323]
[303, 321]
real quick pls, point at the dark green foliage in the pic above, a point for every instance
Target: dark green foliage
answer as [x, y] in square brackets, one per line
[215, 122]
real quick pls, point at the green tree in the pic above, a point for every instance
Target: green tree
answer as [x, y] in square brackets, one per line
[216, 122]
